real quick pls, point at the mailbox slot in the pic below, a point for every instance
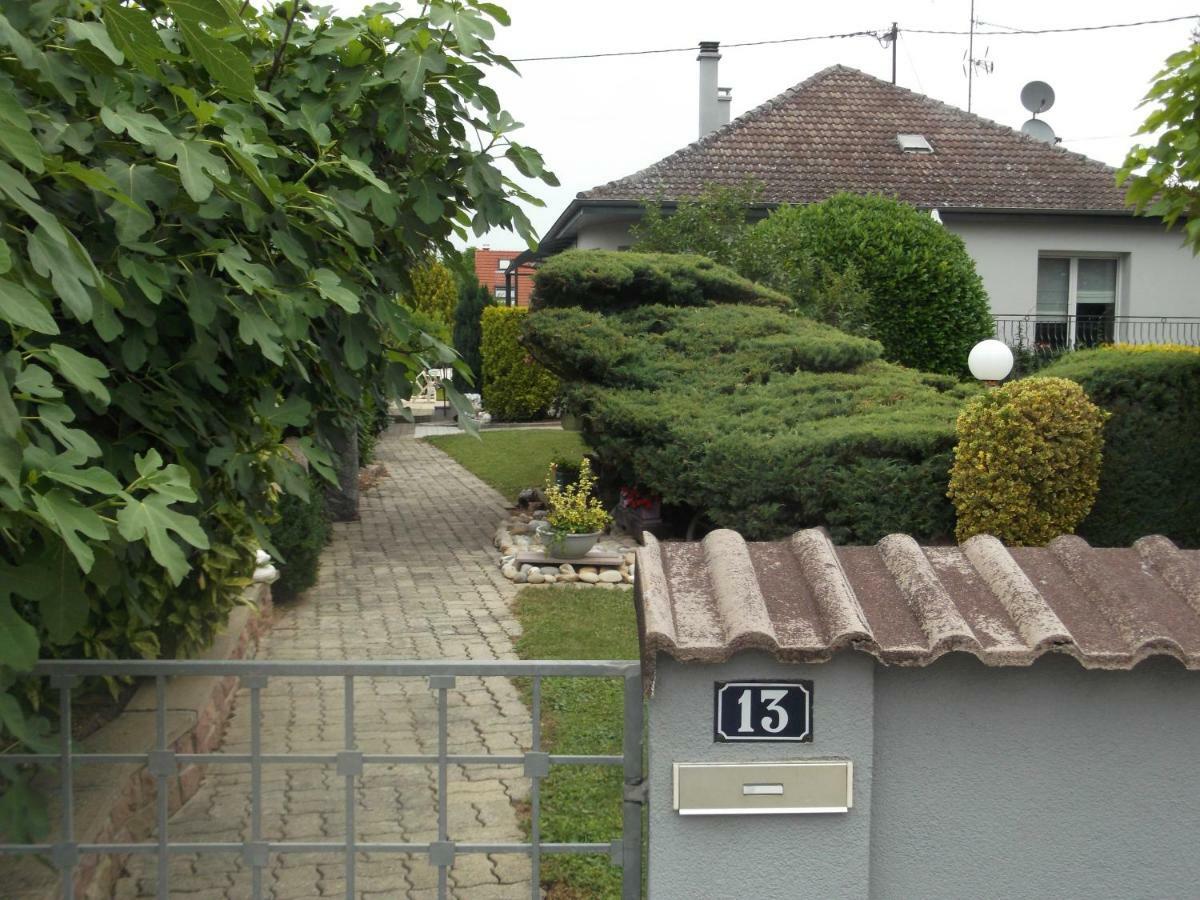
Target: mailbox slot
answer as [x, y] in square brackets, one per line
[724, 789]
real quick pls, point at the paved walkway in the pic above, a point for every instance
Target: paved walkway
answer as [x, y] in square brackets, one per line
[415, 578]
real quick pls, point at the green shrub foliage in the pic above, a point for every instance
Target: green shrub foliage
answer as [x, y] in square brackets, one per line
[609, 281]
[209, 208]
[927, 307]
[515, 387]
[1149, 481]
[760, 420]
[473, 299]
[713, 225]
[1027, 463]
[299, 534]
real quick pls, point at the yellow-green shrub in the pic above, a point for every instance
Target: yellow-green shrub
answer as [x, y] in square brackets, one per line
[1027, 464]
[1152, 348]
[515, 387]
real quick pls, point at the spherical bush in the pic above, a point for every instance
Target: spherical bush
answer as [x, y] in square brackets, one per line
[1027, 464]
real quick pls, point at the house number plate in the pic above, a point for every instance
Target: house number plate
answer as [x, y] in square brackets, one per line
[762, 711]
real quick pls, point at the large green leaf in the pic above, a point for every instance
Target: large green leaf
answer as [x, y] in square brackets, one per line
[152, 520]
[21, 308]
[53, 581]
[329, 286]
[70, 274]
[18, 639]
[228, 66]
[132, 31]
[69, 518]
[95, 34]
[82, 371]
[199, 167]
[16, 134]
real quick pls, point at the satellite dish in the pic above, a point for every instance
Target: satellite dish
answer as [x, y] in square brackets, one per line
[1037, 97]
[1039, 131]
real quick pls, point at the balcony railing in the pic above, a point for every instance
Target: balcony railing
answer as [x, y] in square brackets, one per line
[1049, 336]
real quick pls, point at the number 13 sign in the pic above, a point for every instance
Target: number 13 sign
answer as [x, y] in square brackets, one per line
[762, 711]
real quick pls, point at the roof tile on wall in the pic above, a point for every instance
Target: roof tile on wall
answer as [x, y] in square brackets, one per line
[804, 599]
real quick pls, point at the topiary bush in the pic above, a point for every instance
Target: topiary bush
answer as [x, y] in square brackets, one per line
[756, 419]
[1027, 463]
[301, 532]
[1149, 481]
[610, 281]
[928, 306]
[515, 387]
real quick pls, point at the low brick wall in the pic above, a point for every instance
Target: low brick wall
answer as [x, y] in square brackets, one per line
[116, 804]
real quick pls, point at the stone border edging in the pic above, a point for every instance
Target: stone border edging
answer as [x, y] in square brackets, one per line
[116, 803]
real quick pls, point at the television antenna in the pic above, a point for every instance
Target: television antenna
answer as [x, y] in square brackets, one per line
[1037, 97]
[971, 63]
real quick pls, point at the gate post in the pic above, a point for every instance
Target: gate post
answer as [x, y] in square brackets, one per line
[634, 794]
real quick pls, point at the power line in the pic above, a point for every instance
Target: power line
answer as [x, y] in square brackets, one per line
[812, 37]
[1024, 31]
[877, 34]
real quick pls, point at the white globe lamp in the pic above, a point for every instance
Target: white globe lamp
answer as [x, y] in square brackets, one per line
[990, 361]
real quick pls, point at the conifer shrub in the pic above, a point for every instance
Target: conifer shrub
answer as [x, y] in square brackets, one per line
[473, 299]
[299, 534]
[755, 418]
[1027, 464]
[515, 387]
[1149, 480]
[610, 281]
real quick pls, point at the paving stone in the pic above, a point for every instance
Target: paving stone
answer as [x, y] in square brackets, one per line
[414, 578]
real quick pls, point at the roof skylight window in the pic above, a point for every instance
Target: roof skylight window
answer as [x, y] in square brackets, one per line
[914, 143]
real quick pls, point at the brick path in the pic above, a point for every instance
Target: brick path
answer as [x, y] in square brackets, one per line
[416, 577]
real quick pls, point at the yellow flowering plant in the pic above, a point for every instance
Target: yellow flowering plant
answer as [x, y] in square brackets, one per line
[573, 508]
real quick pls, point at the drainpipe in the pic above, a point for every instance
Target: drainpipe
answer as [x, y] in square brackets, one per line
[710, 113]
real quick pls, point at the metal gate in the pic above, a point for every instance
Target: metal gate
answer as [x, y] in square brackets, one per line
[164, 763]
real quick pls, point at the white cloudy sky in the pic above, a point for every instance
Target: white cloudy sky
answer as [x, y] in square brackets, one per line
[600, 119]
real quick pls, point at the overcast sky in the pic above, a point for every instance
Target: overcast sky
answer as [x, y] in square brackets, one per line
[599, 119]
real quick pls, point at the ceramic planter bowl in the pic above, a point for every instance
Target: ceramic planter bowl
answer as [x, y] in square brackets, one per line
[568, 546]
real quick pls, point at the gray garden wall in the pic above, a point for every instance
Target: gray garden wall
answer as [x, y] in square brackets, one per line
[969, 781]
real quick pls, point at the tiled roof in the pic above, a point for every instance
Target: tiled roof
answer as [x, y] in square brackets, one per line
[837, 131]
[804, 599]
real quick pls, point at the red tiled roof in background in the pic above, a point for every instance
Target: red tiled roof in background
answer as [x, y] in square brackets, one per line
[836, 131]
[490, 274]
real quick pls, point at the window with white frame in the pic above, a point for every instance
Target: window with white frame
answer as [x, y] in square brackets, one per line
[502, 264]
[1076, 300]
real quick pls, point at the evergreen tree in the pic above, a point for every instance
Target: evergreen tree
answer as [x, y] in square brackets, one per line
[468, 331]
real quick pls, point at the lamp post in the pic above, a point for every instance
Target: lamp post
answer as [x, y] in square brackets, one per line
[990, 361]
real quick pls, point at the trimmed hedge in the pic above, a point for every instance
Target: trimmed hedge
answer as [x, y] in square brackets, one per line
[757, 419]
[1149, 480]
[299, 535]
[610, 281]
[1027, 463]
[515, 387]
[927, 307]
[473, 299]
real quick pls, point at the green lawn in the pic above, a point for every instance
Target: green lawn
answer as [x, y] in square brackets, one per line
[580, 716]
[510, 460]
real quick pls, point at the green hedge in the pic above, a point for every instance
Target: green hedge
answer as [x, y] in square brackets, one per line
[299, 535]
[927, 303]
[609, 281]
[1149, 480]
[757, 419]
[515, 387]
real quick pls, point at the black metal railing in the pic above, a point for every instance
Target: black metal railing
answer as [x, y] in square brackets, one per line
[1046, 334]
